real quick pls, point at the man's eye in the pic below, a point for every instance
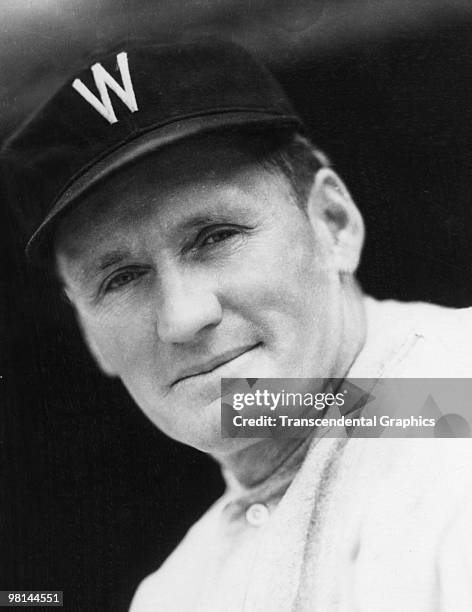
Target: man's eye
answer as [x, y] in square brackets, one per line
[121, 278]
[216, 236]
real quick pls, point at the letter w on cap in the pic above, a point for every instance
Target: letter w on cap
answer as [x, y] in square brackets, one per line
[104, 79]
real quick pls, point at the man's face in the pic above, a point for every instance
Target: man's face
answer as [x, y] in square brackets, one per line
[193, 265]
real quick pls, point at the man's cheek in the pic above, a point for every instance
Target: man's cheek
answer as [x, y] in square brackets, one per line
[113, 349]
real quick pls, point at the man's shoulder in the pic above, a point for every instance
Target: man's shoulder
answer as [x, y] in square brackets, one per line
[443, 339]
[416, 339]
[171, 586]
[422, 317]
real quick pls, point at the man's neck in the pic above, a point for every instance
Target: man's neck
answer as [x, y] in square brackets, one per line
[259, 462]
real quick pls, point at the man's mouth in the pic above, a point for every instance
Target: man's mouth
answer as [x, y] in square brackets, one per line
[212, 364]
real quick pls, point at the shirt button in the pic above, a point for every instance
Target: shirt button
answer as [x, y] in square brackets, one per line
[257, 514]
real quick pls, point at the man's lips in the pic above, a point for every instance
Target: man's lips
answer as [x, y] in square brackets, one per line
[213, 363]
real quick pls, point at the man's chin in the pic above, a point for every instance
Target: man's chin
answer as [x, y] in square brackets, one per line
[202, 430]
[219, 446]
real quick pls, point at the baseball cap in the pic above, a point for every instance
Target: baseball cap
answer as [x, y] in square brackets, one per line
[122, 106]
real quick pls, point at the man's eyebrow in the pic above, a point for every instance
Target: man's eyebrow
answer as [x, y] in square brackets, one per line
[207, 218]
[110, 258]
[102, 262]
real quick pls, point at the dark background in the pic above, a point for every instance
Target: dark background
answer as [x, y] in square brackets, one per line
[92, 497]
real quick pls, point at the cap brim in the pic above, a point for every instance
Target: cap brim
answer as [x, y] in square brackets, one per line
[142, 145]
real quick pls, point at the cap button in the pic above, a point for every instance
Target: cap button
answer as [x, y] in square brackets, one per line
[257, 514]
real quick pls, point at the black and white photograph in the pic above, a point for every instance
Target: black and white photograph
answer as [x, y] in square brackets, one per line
[236, 305]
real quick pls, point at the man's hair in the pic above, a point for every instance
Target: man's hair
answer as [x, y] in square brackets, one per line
[290, 154]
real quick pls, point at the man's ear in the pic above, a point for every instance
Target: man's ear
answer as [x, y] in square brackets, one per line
[330, 204]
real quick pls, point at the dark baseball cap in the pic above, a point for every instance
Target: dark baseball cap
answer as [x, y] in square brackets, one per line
[124, 105]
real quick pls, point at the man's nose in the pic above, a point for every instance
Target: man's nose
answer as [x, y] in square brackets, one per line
[186, 306]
